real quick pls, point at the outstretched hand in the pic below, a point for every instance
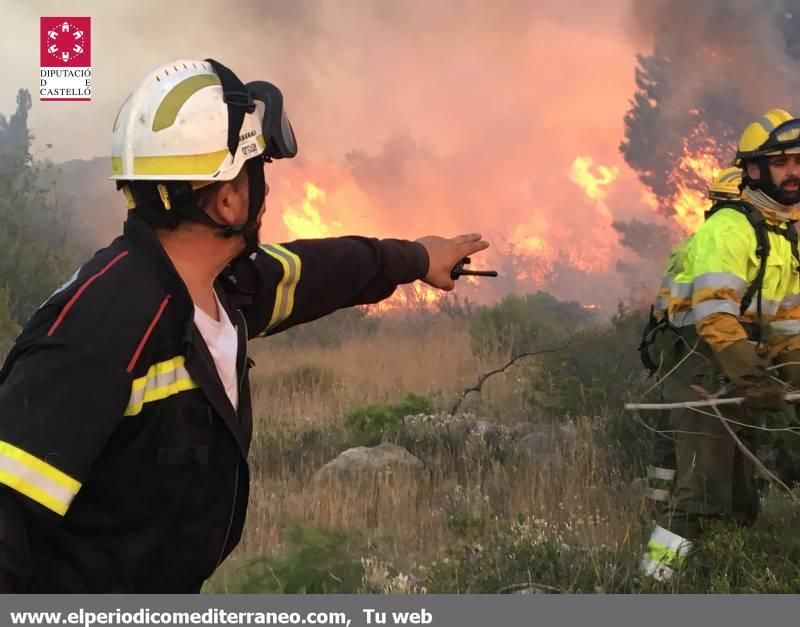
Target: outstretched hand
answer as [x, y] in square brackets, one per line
[445, 253]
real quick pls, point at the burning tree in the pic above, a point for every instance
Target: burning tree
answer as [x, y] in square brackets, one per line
[714, 67]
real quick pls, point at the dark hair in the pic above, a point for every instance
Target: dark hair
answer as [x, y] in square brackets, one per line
[185, 203]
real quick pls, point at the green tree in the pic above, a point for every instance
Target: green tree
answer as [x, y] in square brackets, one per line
[37, 252]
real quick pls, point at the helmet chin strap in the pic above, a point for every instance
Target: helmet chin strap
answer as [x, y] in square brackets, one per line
[256, 188]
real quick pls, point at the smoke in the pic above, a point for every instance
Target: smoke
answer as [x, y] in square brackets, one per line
[412, 118]
[714, 67]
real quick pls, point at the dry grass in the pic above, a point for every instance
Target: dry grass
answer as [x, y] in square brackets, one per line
[382, 367]
[571, 489]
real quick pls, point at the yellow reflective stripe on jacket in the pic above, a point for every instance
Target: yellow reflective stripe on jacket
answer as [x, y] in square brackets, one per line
[706, 308]
[682, 319]
[284, 294]
[720, 280]
[681, 291]
[662, 298]
[667, 548]
[769, 307]
[785, 327]
[718, 265]
[162, 380]
[36, 479]
[716, 292]
[790, 302]
[680, 300]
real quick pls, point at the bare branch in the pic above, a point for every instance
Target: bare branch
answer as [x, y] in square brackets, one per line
[520, 587]
[482, 379]
[794, 396]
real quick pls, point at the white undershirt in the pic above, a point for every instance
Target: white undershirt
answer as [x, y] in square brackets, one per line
[222, 342]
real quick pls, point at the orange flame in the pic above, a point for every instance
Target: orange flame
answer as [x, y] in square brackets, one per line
[535, 255]
[305, 221]
[697, 168]
[595, 187]
[419, 296]
[689, 207]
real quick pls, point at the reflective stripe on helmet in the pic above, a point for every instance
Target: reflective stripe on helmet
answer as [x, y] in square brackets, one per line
[167, 111]
[181, 165]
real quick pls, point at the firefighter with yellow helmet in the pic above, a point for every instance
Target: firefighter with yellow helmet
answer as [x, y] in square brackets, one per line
[735, 307]
[658, 338]
[724, 187]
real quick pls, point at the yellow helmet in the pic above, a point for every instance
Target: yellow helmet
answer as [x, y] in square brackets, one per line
[726, 185]
[775, 132]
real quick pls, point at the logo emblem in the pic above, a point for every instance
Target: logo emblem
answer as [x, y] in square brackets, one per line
[65, 58]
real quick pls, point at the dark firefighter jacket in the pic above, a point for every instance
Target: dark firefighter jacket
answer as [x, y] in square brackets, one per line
[122, 462]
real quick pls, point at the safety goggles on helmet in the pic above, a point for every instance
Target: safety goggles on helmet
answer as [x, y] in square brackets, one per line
[784, 139]
[276, 129]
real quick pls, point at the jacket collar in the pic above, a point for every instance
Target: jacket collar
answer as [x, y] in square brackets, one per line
[144, 243]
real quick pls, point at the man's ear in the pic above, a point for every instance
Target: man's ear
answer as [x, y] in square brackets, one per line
[224, 206]
[753, 171]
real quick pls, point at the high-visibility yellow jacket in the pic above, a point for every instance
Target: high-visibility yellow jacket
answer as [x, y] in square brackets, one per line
[674, 266]
[719, 264]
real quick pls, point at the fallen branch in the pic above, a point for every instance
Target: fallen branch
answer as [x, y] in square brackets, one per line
[792, 397]
[481, 380]
[519, 587]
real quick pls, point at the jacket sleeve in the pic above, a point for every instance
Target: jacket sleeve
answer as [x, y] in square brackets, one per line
[720, 262]
[297, 282]
[59, 403]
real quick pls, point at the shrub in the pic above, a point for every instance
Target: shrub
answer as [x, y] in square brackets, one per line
[316, 561]
[522, 323]
[381, 421]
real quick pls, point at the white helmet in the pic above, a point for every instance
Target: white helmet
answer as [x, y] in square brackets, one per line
[178, 125]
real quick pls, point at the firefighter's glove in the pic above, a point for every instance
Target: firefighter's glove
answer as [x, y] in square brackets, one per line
[748, 372]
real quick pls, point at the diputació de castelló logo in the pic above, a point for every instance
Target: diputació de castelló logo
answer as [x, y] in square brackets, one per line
[65, 46]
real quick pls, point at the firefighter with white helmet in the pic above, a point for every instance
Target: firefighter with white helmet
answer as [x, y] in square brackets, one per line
[125, 410]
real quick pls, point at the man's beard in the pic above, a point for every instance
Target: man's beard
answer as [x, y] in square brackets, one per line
[783, 195]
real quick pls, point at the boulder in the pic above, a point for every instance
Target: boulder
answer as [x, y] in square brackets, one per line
[368, 486]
